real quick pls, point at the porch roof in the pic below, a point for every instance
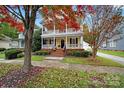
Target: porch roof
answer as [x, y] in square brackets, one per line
[62, 34]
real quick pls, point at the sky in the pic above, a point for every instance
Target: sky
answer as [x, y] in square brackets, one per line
[38, 20]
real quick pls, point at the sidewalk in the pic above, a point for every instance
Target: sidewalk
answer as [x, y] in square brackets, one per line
[114, 58]
[58, 64]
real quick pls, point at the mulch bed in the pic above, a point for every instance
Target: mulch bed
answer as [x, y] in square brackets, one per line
[18, 78]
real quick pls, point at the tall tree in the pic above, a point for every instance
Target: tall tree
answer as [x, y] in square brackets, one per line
[27, 15]
[103, 24]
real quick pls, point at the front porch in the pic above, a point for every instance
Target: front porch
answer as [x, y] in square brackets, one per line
[67, 42]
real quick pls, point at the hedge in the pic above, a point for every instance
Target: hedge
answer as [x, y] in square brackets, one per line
[2, 49]
[20, 55]
[77, 53]
[12, 53]
[42, 52]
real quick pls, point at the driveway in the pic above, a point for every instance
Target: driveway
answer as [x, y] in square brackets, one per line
[114, 58]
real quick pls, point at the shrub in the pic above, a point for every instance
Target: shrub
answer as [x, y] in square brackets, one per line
[86, 53]
[12, 53]
[36, 44]
[2, 49]
[78, 53]
[20, 55]
[42, 52]
[69, 53]
[18, 49]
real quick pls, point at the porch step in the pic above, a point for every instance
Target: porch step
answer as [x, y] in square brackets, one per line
[58, 53]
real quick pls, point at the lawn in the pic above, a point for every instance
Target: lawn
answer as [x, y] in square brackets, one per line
[87, 61]
[36, 58]
[115, 53]
[2, 55]
[63, 78]
[5, 68]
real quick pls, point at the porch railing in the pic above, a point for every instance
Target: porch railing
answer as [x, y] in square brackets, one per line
[73, 46]
[47, 46]
[68, 46]
[59, 31]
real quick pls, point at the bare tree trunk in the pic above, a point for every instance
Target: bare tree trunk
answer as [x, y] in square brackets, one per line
[94, 52]
[27, 58]
[28, 37]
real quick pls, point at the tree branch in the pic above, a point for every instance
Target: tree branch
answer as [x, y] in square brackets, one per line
[12, 12]
[20, 13]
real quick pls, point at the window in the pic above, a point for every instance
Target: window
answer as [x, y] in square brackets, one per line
[104, 44]
[50, 41]
[45, 41]
[22, 43]
[113, 43]
[74, 41]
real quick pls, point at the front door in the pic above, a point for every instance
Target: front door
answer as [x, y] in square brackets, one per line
[62, 43]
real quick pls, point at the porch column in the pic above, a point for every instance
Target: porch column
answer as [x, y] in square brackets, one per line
[54, 42]
[66, 42]
[41, 43]
[42, 29]
[66, 27]
[54, 28]
[81, 42]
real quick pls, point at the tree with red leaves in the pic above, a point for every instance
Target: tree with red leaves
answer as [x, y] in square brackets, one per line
[22, 18]
[7, 18]
[62, 15]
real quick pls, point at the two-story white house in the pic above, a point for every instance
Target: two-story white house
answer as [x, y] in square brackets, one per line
[69, 38]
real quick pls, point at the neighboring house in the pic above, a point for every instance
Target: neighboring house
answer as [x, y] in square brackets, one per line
[4, 44]
[21, 38]
[116, 42]
[66, 39]
[7, 42]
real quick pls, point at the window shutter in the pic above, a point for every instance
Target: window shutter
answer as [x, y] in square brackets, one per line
[50, 41]
[76, 40]
[70, 40]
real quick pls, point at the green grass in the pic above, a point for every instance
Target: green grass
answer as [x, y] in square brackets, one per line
[61, 78]
[87, 61]
[2, 55]
[36, 58]
[5, 68]
[115, 53]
